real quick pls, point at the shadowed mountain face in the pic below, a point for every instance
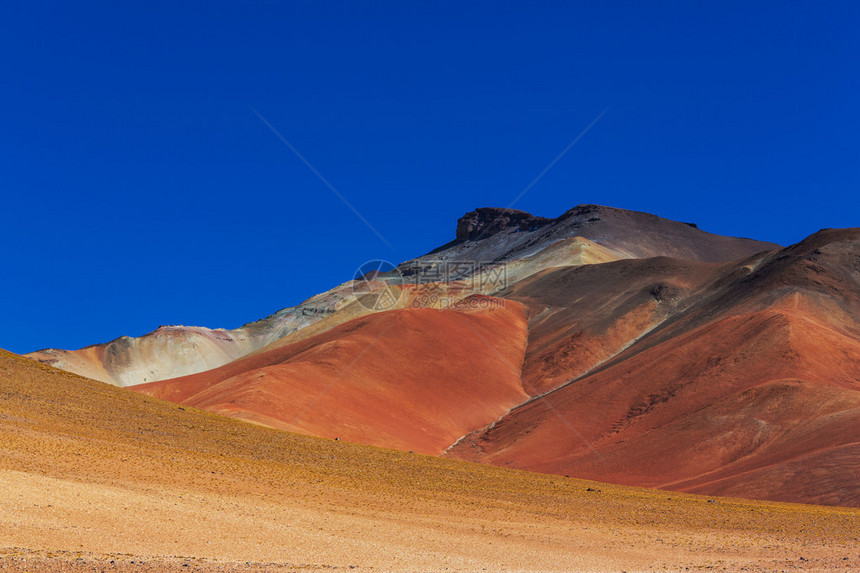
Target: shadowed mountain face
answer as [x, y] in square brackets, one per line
[581, 317]
[619, 347]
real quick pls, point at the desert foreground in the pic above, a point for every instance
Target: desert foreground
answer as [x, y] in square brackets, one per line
[97, 478]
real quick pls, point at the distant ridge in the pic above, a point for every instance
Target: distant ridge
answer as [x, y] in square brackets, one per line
[487, 234]
[492, 233]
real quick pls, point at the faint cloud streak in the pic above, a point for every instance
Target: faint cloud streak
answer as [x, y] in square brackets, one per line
[558, 157]
[323, 179]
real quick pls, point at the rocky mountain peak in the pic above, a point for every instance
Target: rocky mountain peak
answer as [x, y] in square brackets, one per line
[486, 221]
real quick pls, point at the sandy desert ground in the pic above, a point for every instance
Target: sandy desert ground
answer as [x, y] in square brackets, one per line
[97, 478]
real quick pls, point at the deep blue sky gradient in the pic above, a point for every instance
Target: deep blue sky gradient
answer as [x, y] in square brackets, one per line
[139, 188]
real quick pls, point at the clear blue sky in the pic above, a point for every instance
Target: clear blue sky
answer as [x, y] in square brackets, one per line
[139, 188]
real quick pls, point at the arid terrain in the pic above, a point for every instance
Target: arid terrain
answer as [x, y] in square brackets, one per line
[603, 345]
[98, 478]
[731, 372]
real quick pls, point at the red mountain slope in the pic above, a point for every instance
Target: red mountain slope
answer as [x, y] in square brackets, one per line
[413, 379]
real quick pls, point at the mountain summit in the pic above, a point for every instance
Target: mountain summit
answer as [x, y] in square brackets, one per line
[487, 221]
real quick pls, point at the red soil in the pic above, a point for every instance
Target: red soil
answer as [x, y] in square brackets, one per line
[414, 379]
[748, 394]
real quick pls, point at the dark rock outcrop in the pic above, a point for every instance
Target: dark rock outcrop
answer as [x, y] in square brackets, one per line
[486, 221]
